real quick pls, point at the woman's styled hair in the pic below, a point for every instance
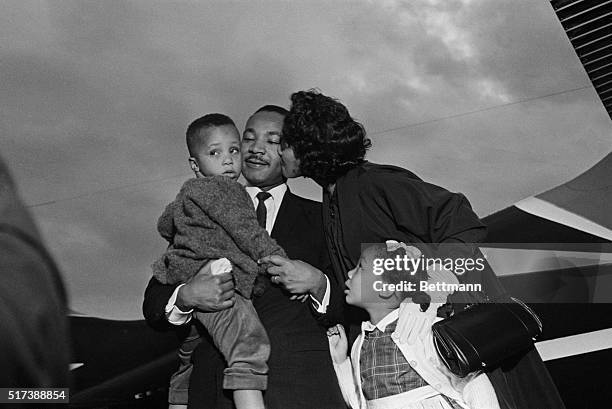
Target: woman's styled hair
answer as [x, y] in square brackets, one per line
[324, 137]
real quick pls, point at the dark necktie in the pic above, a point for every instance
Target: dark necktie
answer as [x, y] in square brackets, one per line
[261, 208]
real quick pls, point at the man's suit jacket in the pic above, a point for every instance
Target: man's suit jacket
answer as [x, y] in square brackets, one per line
[301, 373]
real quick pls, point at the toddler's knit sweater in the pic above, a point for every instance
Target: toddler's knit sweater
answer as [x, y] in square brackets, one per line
[212, 217]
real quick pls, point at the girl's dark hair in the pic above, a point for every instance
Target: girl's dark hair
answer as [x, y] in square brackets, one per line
[324, 137]
[392, 276]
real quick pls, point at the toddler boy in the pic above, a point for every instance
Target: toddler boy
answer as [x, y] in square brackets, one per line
[212, 217]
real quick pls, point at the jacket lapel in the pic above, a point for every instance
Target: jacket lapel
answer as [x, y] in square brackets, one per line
[285, 218]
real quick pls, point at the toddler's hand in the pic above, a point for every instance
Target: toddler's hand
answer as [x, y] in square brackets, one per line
[338, 343]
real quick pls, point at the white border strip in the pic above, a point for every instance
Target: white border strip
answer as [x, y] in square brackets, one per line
[575, 344]
[508, 261]
[75, 365]
[547, 210]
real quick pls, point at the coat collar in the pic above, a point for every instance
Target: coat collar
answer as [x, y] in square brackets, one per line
[348, 190]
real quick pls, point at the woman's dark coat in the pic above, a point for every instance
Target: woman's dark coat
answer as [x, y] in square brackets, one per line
[374, 203]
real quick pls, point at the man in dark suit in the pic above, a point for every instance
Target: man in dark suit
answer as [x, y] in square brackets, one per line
[301, 374]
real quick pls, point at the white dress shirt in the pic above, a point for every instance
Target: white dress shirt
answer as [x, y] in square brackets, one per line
[272, 203]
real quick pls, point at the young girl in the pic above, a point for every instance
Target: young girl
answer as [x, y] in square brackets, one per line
[393, 362]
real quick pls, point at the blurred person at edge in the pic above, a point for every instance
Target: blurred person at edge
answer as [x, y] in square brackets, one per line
[34, 347]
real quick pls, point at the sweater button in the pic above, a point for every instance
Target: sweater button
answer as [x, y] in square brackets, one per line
[413, 364]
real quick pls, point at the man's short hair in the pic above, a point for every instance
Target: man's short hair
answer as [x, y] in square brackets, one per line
[273, 108]
[207, 121]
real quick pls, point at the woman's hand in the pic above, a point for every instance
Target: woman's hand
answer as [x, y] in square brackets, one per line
[338, 343]
[295, 276]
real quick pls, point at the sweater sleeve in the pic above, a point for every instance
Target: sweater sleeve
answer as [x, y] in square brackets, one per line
[346, 381]
[165, 223]
[228, 204]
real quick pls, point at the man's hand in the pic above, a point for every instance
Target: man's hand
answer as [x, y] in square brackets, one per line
[296, 276]
[205, 292]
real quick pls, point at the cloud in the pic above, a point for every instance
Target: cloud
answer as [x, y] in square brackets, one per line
[105, 245]
[98, 96]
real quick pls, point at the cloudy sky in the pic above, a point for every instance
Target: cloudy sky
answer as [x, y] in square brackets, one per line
[485, 97]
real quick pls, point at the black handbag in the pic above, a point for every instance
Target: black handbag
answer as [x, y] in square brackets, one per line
[483, 335]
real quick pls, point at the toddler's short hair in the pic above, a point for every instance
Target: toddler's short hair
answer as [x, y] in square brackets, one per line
[207, 121]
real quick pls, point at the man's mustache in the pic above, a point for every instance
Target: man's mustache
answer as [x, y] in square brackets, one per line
[256, 159]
